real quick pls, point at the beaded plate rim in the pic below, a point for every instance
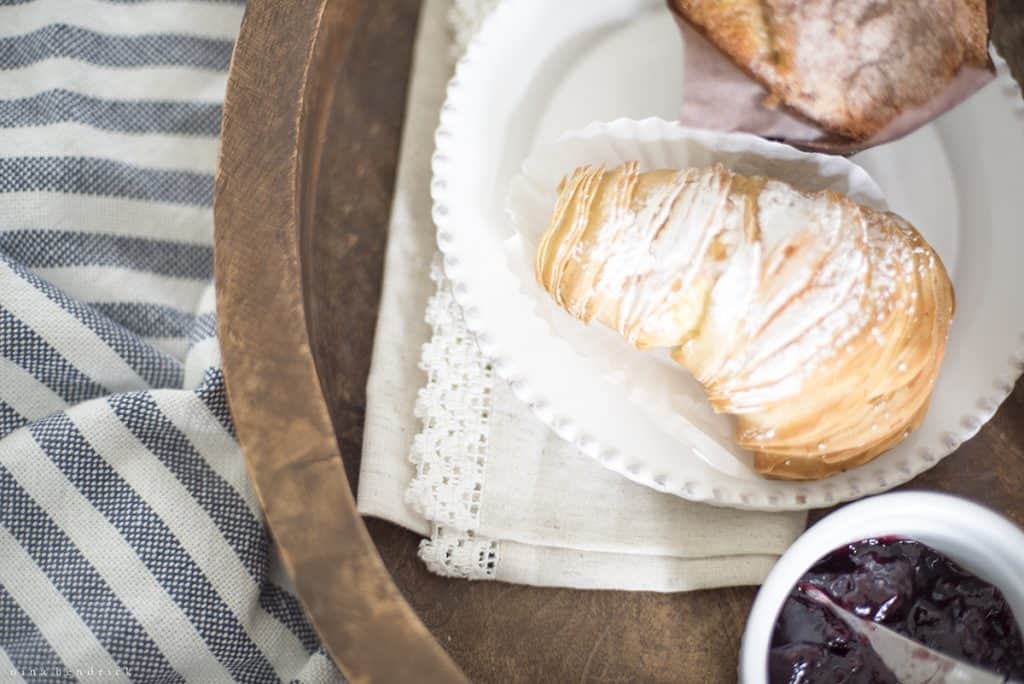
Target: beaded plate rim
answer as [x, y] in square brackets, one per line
[772, 495]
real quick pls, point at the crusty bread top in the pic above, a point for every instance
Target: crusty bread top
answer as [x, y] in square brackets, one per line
[850, 66]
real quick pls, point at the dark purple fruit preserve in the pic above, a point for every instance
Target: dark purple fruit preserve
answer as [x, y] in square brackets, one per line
[909, 588]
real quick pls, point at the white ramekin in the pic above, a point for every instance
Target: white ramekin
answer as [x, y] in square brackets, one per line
[980, 540]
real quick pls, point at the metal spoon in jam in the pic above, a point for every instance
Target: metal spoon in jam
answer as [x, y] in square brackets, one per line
[910, 589]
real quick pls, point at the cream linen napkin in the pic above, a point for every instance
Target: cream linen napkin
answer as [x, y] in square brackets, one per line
[499, 495]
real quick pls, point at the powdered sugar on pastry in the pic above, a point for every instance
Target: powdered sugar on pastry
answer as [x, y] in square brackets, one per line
[819, 323]
[852, 67]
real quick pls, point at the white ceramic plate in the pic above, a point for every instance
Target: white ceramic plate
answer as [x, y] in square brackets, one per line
[539, 68]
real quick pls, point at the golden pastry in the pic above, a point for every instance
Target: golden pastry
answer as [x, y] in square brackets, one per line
[851, 67]
[818, 323]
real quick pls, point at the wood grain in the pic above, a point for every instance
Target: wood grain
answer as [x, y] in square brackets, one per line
[495, 632]
[280, 103]
[1007, 20]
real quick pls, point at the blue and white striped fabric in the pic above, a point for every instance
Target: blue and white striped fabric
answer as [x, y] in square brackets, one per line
[131, 543]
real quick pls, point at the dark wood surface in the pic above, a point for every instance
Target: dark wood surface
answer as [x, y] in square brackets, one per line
[1007, 19]
[277, 115]
[496, 632]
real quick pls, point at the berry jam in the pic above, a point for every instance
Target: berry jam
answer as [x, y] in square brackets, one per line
[909, 588]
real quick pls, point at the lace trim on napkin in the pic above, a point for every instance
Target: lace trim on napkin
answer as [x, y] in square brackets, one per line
[454, 407]
[459, 554]
[451, 450]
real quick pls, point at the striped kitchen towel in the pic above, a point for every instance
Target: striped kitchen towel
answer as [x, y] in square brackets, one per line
[131, 543]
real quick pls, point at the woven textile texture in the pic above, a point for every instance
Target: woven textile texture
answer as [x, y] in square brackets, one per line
[131, 543]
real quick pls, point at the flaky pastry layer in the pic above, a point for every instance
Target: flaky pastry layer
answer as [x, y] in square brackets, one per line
[818, 323]
[852, 67]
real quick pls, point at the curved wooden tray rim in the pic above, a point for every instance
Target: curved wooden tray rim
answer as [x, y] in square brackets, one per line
[273, 129]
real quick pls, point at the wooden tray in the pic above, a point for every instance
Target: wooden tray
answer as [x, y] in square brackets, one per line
[312, 128]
